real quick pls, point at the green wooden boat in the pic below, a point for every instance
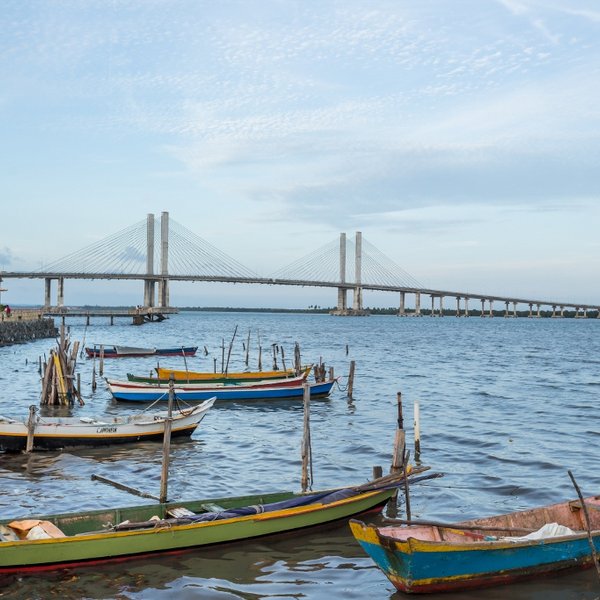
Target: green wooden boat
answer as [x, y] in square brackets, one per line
[66, 540]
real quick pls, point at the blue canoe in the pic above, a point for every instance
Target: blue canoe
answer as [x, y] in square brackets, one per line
[125, 391]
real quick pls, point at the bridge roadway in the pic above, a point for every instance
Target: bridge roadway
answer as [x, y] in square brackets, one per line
[306, 283]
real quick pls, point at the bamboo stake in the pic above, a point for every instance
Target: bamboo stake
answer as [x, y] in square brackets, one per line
[587, 524]
[275, 367]
[283, 358]
[164, 478]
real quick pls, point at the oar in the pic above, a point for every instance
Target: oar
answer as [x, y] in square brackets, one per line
[122, 486]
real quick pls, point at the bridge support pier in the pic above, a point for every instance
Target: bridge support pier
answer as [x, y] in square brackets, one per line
[60, 298]
[458, 306]
[491, 308]
[530, 310]
[466, 306]
[402, 301]
[506, 314]
[418, 304]
[47, 292]
[483, 307]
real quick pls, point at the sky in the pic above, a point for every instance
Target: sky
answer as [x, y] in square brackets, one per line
[461, 138]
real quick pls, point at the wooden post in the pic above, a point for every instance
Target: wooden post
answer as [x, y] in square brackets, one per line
[351, 379]
[377, 471]
[185, 363]
[260, 358]
[297, 360]
[94, 379]
[400, 440]
[46, 382]
[306, 449]
[417, 430]
[283, 358]
[101, 363]
[164, 477]
[406, 491]
[30, 429]
[247, 350]
[215, 364]
[275, 367]
[229, 351]
[79, 386]
[331, 376]
[222, 355]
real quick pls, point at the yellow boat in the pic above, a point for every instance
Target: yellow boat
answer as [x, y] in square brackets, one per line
[198, 376]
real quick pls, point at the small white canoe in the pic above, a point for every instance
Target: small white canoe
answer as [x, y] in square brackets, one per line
[58, 432]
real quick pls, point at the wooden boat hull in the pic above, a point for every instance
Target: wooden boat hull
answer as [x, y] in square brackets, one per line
[86, 543]
[54, 433]
[210, 385]
[192, 377]
[224, 393]
[122, 352]
[198, 376]
[423, 566]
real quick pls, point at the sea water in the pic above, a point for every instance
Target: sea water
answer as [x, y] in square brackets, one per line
[507, 406]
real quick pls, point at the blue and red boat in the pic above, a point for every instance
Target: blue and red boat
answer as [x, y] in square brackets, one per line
[425, 557]
[129, 351]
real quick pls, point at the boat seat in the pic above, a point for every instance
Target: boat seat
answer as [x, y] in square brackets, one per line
[211, 507]
[180, 512]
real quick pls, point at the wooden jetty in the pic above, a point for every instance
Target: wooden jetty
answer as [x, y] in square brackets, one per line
[139, 314]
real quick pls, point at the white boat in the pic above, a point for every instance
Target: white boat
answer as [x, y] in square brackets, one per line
[58, 432]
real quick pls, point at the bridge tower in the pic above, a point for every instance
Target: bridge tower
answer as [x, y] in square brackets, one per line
[357, 304]
[163, 284]
[342, 305]
[149, 284]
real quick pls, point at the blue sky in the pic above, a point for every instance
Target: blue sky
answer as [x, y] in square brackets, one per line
[462, 138]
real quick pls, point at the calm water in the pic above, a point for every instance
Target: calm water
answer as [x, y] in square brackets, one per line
[507, 406]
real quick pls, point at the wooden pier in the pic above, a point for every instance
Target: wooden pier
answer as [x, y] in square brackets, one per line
[139, 315]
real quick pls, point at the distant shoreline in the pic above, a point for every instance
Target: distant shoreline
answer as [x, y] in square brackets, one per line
[392, 311]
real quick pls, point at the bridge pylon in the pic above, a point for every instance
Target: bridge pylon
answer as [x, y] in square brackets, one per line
[357, 306]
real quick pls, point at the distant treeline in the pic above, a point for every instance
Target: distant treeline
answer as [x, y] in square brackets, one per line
[393, 311]
[447, 312]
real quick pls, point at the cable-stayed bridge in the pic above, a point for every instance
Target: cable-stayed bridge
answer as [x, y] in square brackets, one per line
[158, 251]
